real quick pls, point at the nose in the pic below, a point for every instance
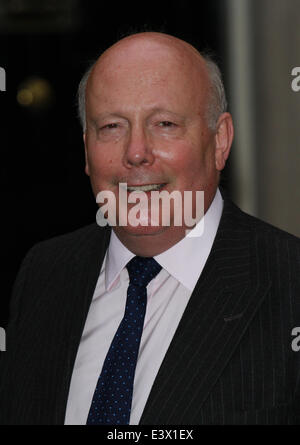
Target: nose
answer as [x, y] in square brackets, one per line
[138, 150]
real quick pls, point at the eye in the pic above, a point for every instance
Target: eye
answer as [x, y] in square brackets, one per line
[166, 124]
[111, 131]
[109, 126]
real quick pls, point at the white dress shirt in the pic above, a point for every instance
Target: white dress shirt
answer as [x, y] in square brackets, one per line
[167, 296]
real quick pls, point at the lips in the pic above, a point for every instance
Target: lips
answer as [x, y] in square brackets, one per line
[145, 187]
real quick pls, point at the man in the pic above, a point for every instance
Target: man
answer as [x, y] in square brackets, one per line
[215, 340]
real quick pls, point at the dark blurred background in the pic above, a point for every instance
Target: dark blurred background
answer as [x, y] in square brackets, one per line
[45, 46]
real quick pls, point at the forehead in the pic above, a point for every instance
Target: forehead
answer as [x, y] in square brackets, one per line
[142, 68]
[150, 47]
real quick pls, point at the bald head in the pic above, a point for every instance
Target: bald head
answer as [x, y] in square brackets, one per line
[147, 45]
[156, 51]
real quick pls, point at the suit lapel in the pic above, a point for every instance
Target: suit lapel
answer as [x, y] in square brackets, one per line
[223, 303]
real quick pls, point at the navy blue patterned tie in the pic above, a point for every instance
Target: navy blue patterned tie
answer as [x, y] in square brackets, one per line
[111, 404]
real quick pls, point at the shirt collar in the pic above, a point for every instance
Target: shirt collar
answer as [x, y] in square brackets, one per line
[184, 261]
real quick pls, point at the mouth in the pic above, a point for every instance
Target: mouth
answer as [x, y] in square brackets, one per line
[145, 188]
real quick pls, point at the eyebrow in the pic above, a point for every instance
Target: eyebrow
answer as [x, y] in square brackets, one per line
[120, 115]
[158, 110]
[95, 121]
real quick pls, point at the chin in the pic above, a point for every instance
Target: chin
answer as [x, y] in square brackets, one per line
[149, 241]
[141, 230]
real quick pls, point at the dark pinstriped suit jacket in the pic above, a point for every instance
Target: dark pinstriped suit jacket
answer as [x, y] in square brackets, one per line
[230, 361]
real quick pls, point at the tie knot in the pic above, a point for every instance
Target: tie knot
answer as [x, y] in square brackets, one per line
[142, 270]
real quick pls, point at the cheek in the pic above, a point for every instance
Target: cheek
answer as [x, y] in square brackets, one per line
[192, 166]
[100, 161]
[188, 159]
[178, 154]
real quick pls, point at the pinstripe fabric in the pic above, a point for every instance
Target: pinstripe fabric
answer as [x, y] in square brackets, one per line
[230, 361]
[232, 349]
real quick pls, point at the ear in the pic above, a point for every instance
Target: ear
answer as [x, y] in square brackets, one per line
[86, 169]
[223, 138]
